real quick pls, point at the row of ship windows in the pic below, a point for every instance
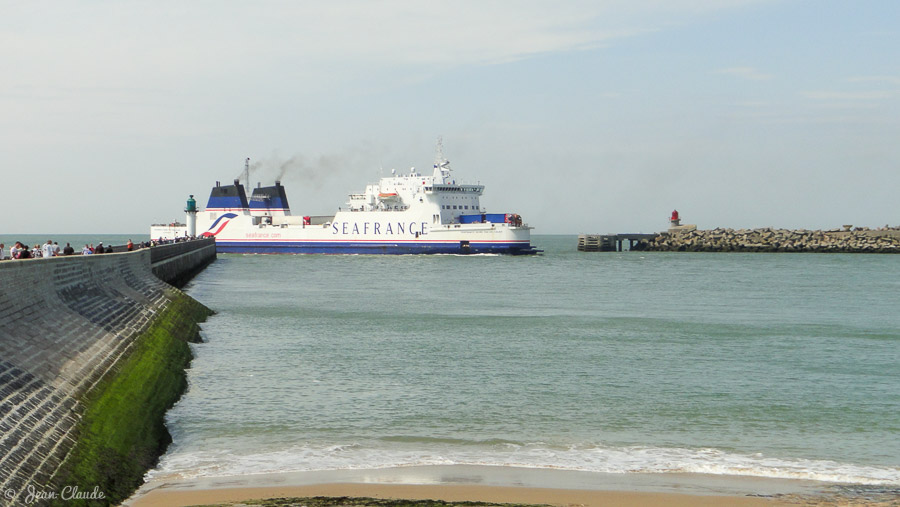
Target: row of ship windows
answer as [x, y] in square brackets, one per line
[447, 206]
[451, 189]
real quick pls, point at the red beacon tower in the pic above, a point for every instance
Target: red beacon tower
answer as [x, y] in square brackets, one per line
[674, 220]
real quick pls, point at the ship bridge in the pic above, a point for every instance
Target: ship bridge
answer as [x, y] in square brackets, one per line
[437, 196]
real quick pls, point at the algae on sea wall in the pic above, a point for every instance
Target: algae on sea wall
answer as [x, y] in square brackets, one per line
[122, 432]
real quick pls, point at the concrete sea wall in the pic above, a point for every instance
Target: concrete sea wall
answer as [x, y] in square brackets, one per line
[70, 328]
[179, 262]
[775, 240]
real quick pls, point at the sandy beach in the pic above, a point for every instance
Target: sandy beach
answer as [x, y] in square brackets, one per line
[488, 484]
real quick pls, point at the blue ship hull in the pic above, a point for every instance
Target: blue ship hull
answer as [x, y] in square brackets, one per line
[397, 248]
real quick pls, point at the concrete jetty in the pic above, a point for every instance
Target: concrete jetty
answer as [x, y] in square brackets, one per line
[67, 326]
[177, 263]
[858, 240]
[610, 242]
[688, 238]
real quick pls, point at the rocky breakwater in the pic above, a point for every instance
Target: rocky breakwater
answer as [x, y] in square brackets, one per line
[858, 240]
[92, 353]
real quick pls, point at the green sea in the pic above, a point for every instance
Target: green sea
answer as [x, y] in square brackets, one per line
[771, 365]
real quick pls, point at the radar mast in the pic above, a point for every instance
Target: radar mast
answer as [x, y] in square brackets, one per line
[441, 164]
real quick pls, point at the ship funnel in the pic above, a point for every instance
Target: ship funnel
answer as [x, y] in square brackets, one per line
[269, 201]
[228, 198]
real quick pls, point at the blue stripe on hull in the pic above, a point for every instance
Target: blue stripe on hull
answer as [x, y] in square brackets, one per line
[261, 247]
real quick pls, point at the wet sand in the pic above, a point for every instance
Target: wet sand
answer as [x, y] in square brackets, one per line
[484, 483]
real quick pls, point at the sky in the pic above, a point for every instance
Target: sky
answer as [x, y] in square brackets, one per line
[597, 116]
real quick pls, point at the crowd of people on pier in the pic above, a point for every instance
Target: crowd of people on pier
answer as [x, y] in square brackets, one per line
[177, 239]
[51, 248]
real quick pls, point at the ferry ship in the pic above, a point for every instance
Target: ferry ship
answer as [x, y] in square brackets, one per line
[401, 214]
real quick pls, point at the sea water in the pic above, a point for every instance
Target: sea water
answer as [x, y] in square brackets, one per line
[773, 365]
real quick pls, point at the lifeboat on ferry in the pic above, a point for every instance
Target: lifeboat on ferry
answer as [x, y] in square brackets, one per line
[388, 196]
[513, 219]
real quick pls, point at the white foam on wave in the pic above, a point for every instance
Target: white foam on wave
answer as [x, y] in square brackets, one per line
[192, 464]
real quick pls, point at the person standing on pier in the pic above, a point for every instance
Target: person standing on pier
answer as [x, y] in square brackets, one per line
[47, 249]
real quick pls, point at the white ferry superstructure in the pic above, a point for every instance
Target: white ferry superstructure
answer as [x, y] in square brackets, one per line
[402, 214]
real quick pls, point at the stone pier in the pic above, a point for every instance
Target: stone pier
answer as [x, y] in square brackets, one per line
[859, 240]
[66, 326]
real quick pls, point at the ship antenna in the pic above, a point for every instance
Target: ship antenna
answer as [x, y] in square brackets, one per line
[441, 164]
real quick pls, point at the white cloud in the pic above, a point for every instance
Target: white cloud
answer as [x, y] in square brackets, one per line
[888, 87]
[851, 96]
[895, 80]
[748, 73]
[125, 43]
